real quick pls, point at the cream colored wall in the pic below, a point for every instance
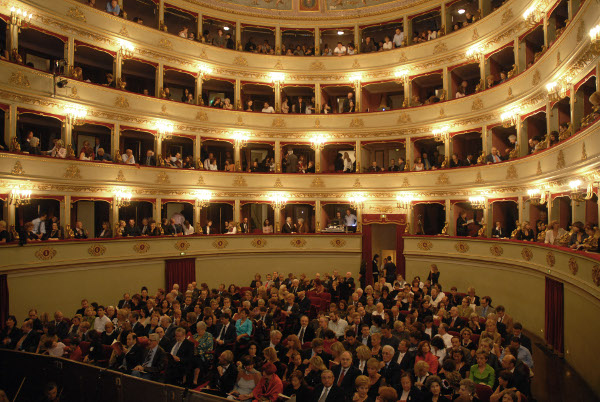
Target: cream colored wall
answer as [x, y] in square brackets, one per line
[63, 290]
[520, 292]
[581, 334]
[384, 238]
[240, 269]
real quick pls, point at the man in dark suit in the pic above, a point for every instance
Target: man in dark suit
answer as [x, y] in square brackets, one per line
[60, 326]
[518, 332]
[316, 350]
[290, 162]
[498, 231]
[349, 106]
[303, 303]
[328, 391]
[134, 356]
[245, 226]
[300, 106]
[455, 323]
[154, 363]
[262, 324]
[125, 302]
[150, 159]
[173, 229]
[131, 229]
[494, 156]
[30, 339]
[347, 286]
[225, 333]
[137, 327]
[390, 270]
[181, 353]
[209, 228]
[390, 370]
[404, 358]
[225, 374]
[345, 374]
[305, 332]
[288, 226]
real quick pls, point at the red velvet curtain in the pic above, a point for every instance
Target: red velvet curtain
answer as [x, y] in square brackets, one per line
[554, 322]
[181, 272]
[367, 252]
[4, 311]
[400, 261]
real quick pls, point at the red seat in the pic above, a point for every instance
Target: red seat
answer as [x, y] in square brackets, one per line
[475, 338]
[143, 341]
[483, 392]
[436, 322]
[315, 301]
[311, 293]
[453, 333]
[482, 320]
[404, 312]
[324, 305]
[306, 345]
[245, 289]
[325, 296]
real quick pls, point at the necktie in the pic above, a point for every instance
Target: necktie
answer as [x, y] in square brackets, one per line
[342, 374]
[176, 349]
[301, 335]
[323, 397]
[222, 332]
[148, 361]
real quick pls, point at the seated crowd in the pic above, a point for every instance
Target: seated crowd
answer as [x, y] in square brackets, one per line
[321, 339]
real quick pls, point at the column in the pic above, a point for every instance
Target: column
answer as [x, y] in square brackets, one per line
[10, 216]
[484, 8]
[358, 156]
[197, 151]
[408, 91]
[482, 72]
[237, 211]
[574, 125]
[199, 80]
[160, 76]
[446, 83]
[356, 38]
[115, 142]
[10, 126]
[318, 216]
[161, 14]
[277, 89]
[237, 156]
[521, 203]
[449, 216]
[317, 42]
[118, 68]
[68, 135]
[486, 144]
[277, 159]
[410, 218]
[158, 148]
[114, 215]
[199, 27]
[447, 150]
[518, 65]
[237, 95]
[545, 29]
[318, 160]
[318, 98]
[238, 36]
[405, 30]
[65, 212]
[277, 220]
[157, 210]
[13, 37]
[445, 22]
[278, 40]
[549, 207]
[410, 150]
[408, 30]
[357, 95]
[197, 223]
[70, 53]
[359, 219]
[487, 219]
[521, 138]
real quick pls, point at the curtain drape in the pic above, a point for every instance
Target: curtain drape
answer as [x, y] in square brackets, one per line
[400, 261]
[181, 272]
[554, 320]
[4, 310]
[367, 256]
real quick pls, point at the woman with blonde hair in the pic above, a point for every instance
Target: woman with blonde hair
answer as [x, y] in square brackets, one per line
[312, 374]
[362, 384]
[465, 310]
[525, 233]
[270, 355]
[421, 373]
[363, 354]
[376, 380]
[293, 346]
[553, 233]
[376, 347]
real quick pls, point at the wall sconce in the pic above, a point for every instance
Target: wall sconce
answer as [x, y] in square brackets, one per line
[204, 71]
[126, 49]
[19, 17]
[19, 196]
[122, 198]
[478, 202]
[441, 134]
[76, 115]
[277, 78]
[404, 201]
[203, 198]
[164, 130]
[509, 118]
[356, 79]
[533, 14]
[317, 142]
[575, 195]
[278, 200]
[537, 196]
[401, 76]
[241, 139]
[556, 91]
[595, 36]
[474, 53]
[357, 201]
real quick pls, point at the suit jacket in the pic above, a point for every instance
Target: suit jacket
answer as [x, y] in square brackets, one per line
[347, 384]
[459, 324]
[346, 108]
[335, 394]
[288, 228]
[501, 233]
[62, 330]
[490, 158]
[124, 303]
[304, 305]
[30, 343]
[246, 227]
[407, 362]
[291, 163]
[229, 335]
[309, 333]
[131, 231]
[185, 353]
[134, 357]
[149, 161]
[226, 382]
[307, 354]
[159, 363]
[391, 373]
[173, 229]
[107, 234]
[213, 230]
[300, 107]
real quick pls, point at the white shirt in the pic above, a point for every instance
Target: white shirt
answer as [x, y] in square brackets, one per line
[398, 39]
[351, 51]
[189, 231]
[100, 323]
[39, 226]
[339, 50]
[438, 299]
[550, 238]
[400, 357]
[232, 230]
[387, 45]
[432, 35]
[58, 350]
[339, 327]
[130, 160]
[348, 165]
[268, 110]
[325, 392]
[210, 166]
[447, 338]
